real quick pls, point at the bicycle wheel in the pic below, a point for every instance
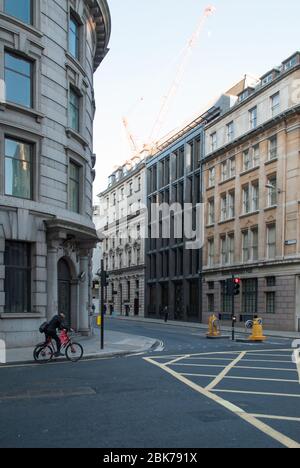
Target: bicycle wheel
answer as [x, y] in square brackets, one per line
[74, 352]
[36, 349]
[43, 354]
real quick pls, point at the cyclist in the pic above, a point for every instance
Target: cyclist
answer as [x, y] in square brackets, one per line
[56, 323]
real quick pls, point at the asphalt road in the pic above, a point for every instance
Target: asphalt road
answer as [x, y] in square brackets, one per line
[193, 394]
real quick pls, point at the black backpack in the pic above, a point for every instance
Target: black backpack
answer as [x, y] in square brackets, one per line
[43, 327]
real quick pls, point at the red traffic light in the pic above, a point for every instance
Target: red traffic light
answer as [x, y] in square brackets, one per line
[237, 280]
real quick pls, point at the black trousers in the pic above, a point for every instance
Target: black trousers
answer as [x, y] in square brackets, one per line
[55, 337]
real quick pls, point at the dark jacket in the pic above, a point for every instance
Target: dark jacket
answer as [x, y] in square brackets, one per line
[56, 323]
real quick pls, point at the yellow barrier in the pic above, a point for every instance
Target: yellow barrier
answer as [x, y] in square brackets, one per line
[213, 327]
[257, 331]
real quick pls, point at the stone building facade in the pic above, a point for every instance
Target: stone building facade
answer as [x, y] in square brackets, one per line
[123, 230]
[252, 190]
[49, 52]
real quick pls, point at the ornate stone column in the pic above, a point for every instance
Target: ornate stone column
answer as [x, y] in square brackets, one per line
[84, 294]
[52, 296]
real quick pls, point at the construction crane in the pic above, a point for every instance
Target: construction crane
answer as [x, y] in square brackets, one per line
[210, 10]
[131, 139]
[151, 147]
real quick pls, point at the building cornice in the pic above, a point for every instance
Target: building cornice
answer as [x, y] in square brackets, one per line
[252, 133]
[252, 96]
[123, 180]
[101, 14]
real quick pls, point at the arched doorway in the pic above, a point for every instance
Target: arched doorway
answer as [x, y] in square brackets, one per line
[64, 289]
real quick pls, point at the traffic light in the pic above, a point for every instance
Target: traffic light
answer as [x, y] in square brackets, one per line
[237, 286]
[229, 287]
[104, 279]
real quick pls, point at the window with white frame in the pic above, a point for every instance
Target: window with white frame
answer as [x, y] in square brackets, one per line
[290, 63]
[255, 196]
[231, 249]
[230, 132]
[247, 160]
[253, 118]
[231, 205]
[275, 104]
[273, 148]
[272, 190]
[250, 245]
[267, 79]
[211, 211]
[246, 199]
[224, 253]
[227, 206]
[254, 244]
[228, 169]
[250, 198]
[246, 246]
[213, 141]
[223, 207]
[271, 241]
[211, 177]
[256, 155]
[227, 249]
[211, 252]
[251, 158]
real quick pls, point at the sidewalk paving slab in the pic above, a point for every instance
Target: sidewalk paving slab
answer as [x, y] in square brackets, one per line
[115, 344]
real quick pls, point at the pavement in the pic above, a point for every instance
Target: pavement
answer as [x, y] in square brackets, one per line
[115, 344]
[200, 326]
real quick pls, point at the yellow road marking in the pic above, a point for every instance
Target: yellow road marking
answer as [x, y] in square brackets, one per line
[279, 418]
[223, 352]
[242, 378]
[270, 355]
[268, 360]
[287, 395]
[269, 431]
[176, 360]
[196, 365]
[226, 371]
[212, 359]
[265, 368]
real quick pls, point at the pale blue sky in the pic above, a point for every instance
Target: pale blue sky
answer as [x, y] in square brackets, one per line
[147, 38]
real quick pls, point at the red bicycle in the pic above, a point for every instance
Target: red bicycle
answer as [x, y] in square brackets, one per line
[44, 352]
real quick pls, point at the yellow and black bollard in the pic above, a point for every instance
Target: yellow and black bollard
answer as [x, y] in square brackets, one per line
[257, 331]
[214, 329]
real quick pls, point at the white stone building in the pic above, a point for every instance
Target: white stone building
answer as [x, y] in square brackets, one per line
[48, 53]
[123, 231]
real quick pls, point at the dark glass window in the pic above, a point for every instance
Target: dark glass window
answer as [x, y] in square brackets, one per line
[18, 169]
[21, 9]
[250, 292]
[74, 187]
[74, 37]
[74, 106]
[270, 302]
[18, 80]
[210, 303]
[226, 299]
[17, 284]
